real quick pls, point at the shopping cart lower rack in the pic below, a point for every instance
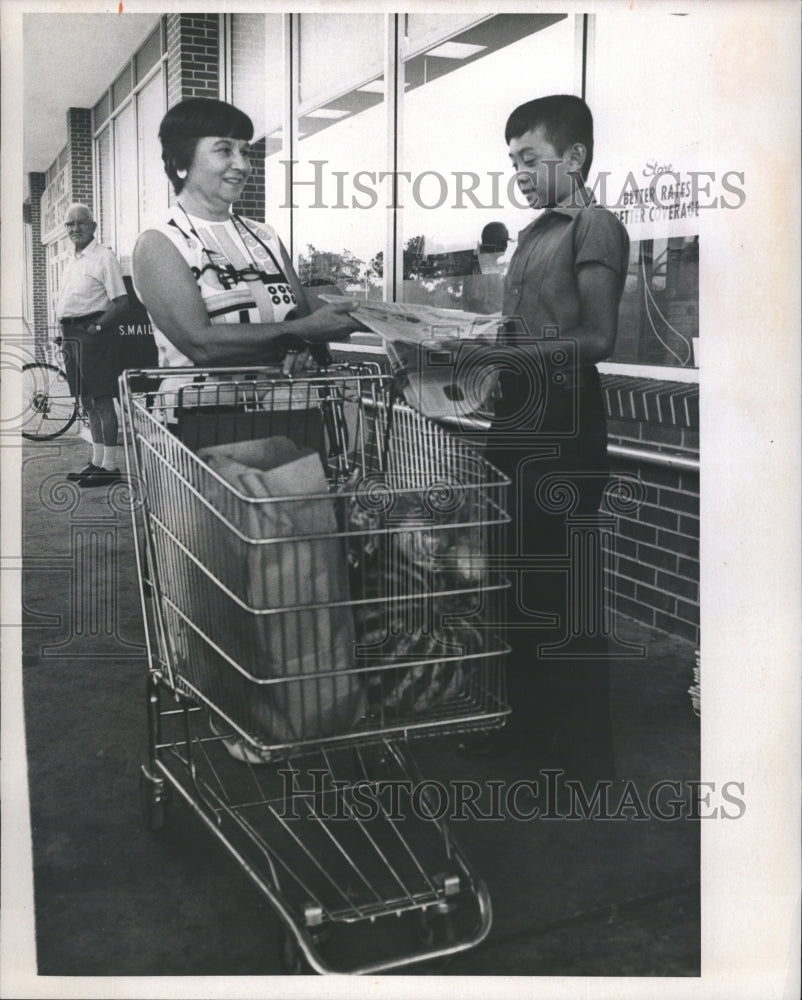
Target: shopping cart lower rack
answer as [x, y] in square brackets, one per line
[320, 586]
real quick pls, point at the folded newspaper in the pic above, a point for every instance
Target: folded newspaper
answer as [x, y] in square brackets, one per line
[441, 354]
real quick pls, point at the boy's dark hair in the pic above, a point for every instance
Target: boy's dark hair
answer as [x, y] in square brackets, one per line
[565, 119]
[193, 119]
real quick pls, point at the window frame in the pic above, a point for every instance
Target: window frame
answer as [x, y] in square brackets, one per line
[109, 227]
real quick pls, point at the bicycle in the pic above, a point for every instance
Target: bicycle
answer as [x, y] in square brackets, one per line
[49, 408]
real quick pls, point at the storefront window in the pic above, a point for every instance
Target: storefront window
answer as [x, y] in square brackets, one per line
[148, 55]
[131, 188]
[122, 87]
[258, 87]
[659, 315]
[338, 51]
[643, 167]
[257, 68]
[424, 30]
[153, 189]
[58, 253]
[341, 217]
[459, 93]
[105, 195]
[101, 110]
[126, 184]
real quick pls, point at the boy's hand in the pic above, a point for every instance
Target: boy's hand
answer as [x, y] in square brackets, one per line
[332, 321]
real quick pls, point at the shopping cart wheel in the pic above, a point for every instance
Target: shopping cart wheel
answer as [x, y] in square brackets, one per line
[292, 959]
[152, 798]
[435, 926]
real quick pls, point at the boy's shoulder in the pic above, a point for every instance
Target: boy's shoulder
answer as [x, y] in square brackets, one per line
[598, 219]
[594, 212]
[599, 236]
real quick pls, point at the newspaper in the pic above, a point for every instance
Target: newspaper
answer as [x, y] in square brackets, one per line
[441, 355]
[419, 324]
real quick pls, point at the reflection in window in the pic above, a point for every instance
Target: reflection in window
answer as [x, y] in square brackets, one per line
[459, 94]
[338, 51]
[341, 215]
[424, 30]
[659, 314]
[258, 89]
[340, 228]
[273, 163]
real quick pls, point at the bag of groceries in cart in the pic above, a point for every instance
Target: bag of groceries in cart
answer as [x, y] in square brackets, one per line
[294, 576]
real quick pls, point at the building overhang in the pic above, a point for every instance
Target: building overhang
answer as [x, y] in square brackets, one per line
[68, 60]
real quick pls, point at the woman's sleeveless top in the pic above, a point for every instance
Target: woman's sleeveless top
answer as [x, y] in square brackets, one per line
[239, 270]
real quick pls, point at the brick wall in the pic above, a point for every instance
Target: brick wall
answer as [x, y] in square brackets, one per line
[38, 262]
[655, 576]
[79, 148]
[252, 202]
[193, 56]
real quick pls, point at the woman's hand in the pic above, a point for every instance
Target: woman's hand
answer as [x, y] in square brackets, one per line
[171, 295]
[332, 321]
[297, 362]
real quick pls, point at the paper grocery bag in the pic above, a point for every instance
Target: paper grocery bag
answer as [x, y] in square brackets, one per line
[294, 564]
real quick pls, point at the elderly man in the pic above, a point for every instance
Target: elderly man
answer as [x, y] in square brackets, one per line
[91, 300]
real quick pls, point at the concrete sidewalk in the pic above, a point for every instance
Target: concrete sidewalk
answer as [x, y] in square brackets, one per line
[605, 898]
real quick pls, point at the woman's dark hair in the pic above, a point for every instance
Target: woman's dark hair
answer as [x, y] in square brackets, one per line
[565, 119]
[193, 119]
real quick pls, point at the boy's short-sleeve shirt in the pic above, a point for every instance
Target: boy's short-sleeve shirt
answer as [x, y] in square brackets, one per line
[541, 283]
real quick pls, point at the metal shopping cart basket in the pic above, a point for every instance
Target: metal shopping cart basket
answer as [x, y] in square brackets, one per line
[298, 641]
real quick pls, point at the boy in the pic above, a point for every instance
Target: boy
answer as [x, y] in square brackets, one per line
[565, 282]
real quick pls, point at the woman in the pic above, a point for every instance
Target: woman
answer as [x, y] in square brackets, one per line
[220, 289]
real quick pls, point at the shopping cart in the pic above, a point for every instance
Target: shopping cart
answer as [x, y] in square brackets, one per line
[298, 643]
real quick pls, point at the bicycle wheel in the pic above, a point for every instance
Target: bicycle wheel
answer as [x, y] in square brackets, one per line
[49, 407]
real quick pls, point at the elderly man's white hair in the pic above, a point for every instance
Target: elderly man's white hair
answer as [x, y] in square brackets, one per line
[78, 206]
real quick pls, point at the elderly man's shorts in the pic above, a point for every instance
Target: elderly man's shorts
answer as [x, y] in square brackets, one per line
[91, 361]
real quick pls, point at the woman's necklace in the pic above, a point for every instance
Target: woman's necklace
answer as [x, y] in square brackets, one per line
[239, 225]
[228, 274]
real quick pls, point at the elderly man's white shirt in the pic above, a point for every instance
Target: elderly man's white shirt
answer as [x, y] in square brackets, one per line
[92, 278]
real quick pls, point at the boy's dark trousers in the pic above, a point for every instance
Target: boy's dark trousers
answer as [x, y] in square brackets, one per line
[559, 698]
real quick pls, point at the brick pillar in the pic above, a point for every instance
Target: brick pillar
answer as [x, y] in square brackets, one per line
[79, 146]
[193, 70]
[193, 56]
[38, 262]
[252, 202]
